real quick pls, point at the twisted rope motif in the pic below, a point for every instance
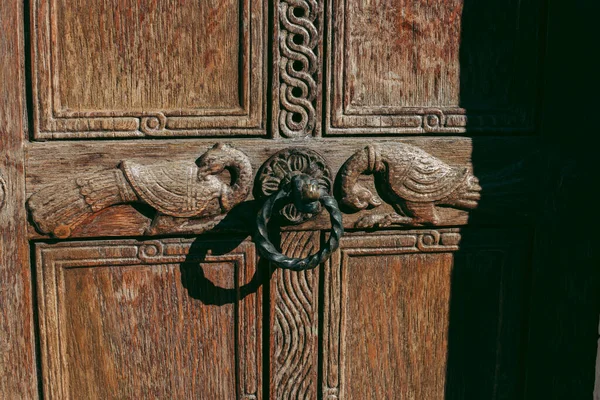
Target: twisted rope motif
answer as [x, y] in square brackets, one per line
[268, 250]
[298, 40]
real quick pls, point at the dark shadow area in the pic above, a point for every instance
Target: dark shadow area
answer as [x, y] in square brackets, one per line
[525, 286]
[565, 301]
[193, 276]
[223, 239]
[488, 312]
[491, 275]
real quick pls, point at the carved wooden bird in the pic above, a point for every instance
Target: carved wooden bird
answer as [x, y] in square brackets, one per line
[176, 190]
[414, 181]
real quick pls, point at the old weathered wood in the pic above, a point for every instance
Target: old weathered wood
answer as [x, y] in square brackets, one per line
[505, 170]
[17, 352]
[447, 304]
[413, 180]
[397, 67]
[294, 322]
[110, 69]
[405, 318]
[137, 319]
[176, 190]
[385, 322]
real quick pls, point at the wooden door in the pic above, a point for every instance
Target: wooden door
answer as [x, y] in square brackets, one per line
[140, 140]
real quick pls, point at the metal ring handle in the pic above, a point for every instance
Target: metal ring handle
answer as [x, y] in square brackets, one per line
[298, 188]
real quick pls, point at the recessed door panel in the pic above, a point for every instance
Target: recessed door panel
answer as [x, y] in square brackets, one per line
[148, 319]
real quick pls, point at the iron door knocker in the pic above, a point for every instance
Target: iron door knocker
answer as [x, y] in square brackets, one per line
[302, 177]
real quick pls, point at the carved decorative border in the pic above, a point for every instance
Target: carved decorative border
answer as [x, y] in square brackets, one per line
[345, 118]
[297, 67]
[53, 260]
[52, 122]
[294, 322]
[392, 243]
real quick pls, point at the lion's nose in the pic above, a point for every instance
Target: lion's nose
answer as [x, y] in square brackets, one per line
[310, 191]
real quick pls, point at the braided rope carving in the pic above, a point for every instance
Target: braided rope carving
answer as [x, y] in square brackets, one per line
[268, 250]
[298, 41]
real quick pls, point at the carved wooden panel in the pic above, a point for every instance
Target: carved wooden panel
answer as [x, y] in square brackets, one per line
[298, 52]
[294, 322]
[505, 167]
[149, 319]
[424, 314]
[168, 68]
[414, 181]
[176, 191]
[432, 67]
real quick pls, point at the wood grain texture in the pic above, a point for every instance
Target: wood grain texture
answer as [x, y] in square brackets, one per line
[433, 312]
[431, 67]
[168, 68]
[18, 376]
[294, 326]
[506, 171]
[139, 319]
[407, 321]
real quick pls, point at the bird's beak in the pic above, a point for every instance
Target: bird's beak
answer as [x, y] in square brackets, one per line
[204, 169]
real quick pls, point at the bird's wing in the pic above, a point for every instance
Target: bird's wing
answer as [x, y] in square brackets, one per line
[173, 189]
[424, 179]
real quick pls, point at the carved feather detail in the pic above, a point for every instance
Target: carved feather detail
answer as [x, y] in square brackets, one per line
[173, 189]
[58, 208]
[177, 191]
[413, 181]
[105, 189]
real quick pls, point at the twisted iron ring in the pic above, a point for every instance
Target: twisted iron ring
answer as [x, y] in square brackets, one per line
[306, 196]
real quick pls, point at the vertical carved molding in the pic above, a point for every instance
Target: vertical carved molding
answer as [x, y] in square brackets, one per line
[297, 67]
[332, 329]
[294, 323]
[250, 312]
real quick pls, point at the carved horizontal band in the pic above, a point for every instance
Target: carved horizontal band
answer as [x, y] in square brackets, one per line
[154, 125]
[425, 120]
[193, 198]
